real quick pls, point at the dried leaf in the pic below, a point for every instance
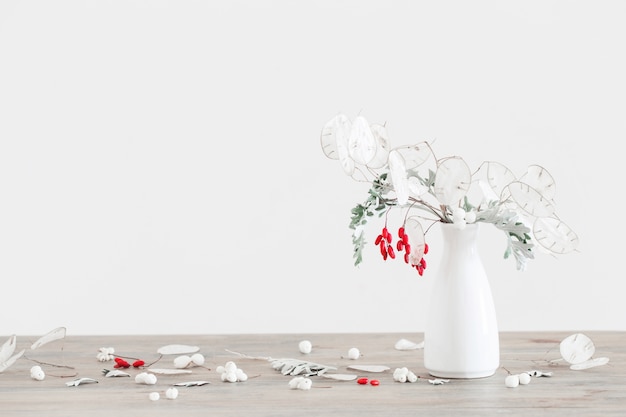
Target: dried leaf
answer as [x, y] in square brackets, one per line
[56, 334]
[191, 384]
[177, 349]
[369, 368]
[404, 344]
[5, 364]
[164, 371]
[81, 381]
[591, 363]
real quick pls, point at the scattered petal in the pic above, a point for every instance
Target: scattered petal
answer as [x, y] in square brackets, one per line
[5, 364]
[577, 348]
[369, 368]
[340, 377]
[177, 349]
[538, 374]
[438, 381]
[8, 348]
[404, 344]
[169, 371]
[191, 384]
[114, 373]
[591, 363]
[80, 381]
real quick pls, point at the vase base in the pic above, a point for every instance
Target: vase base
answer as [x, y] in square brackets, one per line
[462, 375]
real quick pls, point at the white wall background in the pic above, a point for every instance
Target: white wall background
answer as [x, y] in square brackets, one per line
[160, 167]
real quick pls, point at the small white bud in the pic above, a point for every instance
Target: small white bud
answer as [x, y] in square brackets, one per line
[182, 361]
[154, 396]
[511, 381]
[171, 393]
[524, 378]
[305, 346]
[354, 353]
[197, 359]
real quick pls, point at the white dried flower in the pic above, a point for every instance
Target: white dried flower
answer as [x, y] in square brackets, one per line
[105, 354]
[37, 373]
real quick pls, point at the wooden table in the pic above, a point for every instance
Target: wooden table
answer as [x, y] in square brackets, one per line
[599, 391]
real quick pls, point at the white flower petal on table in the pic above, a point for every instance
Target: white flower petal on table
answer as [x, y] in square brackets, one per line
[577, 348]
[369, 368]
[404, 344]
[165, 371]
[591, 363]
[81, 381]
[177, 349]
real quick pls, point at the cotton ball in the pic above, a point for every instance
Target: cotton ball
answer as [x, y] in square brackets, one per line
[511, 381]
[182, 361]
[220, 369]
[230, 366]
[241, 375]
[305, 346]
[197, 359]
[354, 353]
[411, 377]
[293, 383]
[524, 378]
[37, 373]
[171, 393]
[154, 396]
[231, 376]
[305, 384]
[150, 379]
[458, 215]
[140, 377]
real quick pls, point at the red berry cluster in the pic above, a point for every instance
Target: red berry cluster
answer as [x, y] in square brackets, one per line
[121, 363]
[384, 240]
[422, 263]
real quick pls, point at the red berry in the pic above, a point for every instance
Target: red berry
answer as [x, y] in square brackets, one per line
[406, 257]
[362, 381]
[375, 382]
[383, 251]
[425, 248]
[399, 245]
[405, 239]
[392, 254]
[138, 363]
[407, 248]
[423, 263]
[379, 238]
[401, 232]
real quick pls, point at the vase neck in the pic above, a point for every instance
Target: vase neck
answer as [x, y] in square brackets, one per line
[460, 239]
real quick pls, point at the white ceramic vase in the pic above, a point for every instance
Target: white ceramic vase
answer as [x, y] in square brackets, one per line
[461, 339]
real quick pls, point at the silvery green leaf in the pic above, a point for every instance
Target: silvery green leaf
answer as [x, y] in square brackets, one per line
[191, 384]
[369, 368]
[56, 334]
[404, 344]
[7, 363]
[8, 348]
[165, 371]
[80, 381]
[591, 363]
[177, 349]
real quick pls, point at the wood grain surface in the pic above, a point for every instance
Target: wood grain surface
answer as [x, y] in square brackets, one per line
[599, 391]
